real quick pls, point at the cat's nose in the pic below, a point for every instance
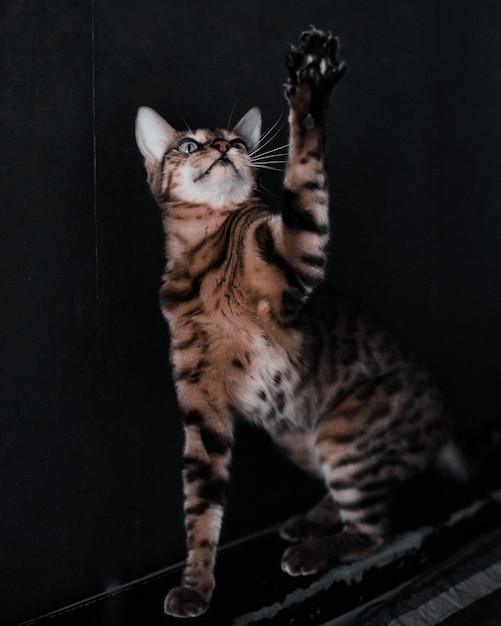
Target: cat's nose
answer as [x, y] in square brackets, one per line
[222, 145]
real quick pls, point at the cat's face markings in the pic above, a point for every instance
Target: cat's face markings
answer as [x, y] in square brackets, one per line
[221, 152]
[205, 166]
[212, 167]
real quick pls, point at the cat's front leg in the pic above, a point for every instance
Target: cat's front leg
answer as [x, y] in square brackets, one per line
[208, 443]
[314, 68]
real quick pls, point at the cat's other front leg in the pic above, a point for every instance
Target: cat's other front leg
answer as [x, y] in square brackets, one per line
[314, 68]
[207, 453]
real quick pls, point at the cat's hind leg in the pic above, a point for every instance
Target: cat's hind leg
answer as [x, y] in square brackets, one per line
[321, 520]
[363, 526]
[361, 469]
[318, 553]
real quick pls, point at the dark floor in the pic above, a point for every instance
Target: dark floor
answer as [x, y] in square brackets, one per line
[433, 520]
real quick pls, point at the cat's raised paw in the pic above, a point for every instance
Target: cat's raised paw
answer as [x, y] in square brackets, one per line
[314, 61]
[184, 602]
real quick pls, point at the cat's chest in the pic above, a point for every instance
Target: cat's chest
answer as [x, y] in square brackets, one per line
[256, 370]
[264, 391]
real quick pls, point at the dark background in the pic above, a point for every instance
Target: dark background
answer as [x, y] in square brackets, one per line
[90, 435]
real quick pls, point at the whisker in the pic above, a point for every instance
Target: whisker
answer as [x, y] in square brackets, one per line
[267, 167]
[270, 154]
[267, 161]
[272, 128]
[231, 114]
[280, 155]
[263, 145]
[284, 145]
[267, 133]
[185, 122]
[258, 154]
[270, 167]
[261, 189]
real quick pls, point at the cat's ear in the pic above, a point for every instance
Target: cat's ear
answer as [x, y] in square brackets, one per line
[249, 127]
[153, 135]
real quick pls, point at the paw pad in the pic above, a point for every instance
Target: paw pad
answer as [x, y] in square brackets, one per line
[315, 61]
[184, 602]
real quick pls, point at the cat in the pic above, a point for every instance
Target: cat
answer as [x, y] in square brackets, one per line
[257, 333]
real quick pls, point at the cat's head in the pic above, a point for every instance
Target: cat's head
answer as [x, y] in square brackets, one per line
[204, 166]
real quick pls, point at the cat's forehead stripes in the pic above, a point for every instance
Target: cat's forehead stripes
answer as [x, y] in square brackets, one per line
[207, 135]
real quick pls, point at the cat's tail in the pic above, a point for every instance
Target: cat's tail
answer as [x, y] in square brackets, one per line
[461, 461]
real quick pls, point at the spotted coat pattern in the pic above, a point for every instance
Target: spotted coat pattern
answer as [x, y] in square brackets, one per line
[256, 333]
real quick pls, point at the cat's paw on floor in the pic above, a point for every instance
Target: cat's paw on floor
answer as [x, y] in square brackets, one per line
[306, 558]
[184, 602]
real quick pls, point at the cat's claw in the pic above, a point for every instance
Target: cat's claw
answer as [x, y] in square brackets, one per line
[314, 61]
[185, 602]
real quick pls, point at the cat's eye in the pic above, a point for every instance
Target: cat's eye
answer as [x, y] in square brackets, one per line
[238, 144]
[188, 146]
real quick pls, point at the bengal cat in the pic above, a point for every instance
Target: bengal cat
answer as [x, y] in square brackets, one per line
[256, 333]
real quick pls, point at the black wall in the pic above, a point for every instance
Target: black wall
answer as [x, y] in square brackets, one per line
[90, 435]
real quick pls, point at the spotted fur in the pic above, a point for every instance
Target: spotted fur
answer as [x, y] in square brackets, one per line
[256, 333]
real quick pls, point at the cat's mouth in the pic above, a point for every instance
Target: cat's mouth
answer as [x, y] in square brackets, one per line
[222, 161]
